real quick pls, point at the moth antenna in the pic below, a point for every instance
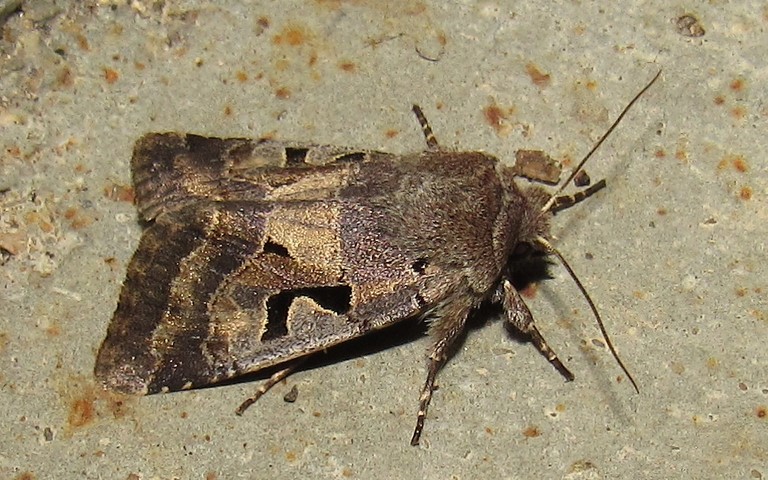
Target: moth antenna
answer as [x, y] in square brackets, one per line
[551, 249]
[552, 200]
[565, 201]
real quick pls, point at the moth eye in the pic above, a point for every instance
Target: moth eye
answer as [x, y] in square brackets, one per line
[521, 249]
[295, 156]
[272, 246]
[420, 265]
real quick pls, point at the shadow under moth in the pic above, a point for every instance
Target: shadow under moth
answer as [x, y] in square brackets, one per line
[259, 253]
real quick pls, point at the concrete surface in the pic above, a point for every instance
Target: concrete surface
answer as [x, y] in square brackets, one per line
[673, 252]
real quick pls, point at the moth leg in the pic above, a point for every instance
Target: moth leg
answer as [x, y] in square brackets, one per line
[520, 317]
[447, 328]
[564, 201]
[276, 378]
[426, 129]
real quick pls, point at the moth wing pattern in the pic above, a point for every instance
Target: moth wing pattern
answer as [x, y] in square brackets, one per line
[247, 266]
[171, 170]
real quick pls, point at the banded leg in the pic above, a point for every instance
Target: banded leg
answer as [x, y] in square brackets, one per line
[276, 378]
[520, 317]
[564, 201]
[428, 135]
[447, 328]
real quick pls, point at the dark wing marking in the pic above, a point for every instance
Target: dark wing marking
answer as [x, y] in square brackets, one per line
[219, 289]
[162, 318]
[343, 286]
[171, 170]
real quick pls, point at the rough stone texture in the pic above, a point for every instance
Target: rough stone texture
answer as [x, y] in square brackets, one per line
[673, 251]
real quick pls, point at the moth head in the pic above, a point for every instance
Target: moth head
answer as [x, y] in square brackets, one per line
[534, 217]
[534, 236]
[535, 220]
[536, 231]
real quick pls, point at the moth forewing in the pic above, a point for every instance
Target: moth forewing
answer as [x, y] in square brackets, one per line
[261, 253]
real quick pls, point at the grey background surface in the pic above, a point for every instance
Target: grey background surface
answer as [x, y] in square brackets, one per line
[673, 252]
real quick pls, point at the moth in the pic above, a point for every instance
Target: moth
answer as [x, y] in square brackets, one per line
[260, 253]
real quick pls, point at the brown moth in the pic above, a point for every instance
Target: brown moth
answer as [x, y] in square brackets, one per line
[259, 253]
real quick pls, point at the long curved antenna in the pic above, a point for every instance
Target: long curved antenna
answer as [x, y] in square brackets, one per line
[551, 200]
[550, 249]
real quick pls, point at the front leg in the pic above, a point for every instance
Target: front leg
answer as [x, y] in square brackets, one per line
[519, 317]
